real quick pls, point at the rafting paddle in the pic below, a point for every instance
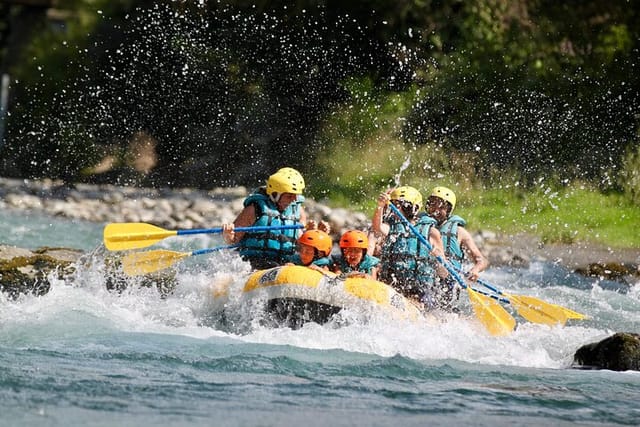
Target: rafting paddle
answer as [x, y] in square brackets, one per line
[530, 308]
[536, 310]
[491, 314]
[570, 313]
[139, 263]
[136, 235]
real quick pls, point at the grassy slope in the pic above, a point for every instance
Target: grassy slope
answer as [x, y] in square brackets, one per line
[572, 214]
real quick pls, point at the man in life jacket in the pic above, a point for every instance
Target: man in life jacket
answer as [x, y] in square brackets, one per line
[405, 262]
[278, 203]
[457, 241]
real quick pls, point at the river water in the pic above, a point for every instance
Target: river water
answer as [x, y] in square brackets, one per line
[82, 355]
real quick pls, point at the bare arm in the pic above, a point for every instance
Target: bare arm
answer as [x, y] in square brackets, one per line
[480, 262]
[246, 218]
[373, 248]
[379, 227]
[374, 272]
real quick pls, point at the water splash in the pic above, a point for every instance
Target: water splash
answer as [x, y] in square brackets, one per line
[397, 177]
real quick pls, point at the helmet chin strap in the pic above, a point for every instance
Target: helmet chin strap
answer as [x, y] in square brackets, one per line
[416, 209]
[275, 197]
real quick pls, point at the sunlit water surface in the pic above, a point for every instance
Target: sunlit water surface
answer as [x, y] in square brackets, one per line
[82, 355]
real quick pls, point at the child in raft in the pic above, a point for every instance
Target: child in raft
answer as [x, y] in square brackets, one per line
[354, 260]
[313, 251]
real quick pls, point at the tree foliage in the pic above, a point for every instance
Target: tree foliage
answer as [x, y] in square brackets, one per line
[536, 86]
[231, 90]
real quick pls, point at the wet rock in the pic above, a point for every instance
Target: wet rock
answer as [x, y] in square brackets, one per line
[29, 272]
[610, 271]
[619, 352]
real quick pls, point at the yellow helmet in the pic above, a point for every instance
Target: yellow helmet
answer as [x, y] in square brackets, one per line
[445, 194]
[285, 180]
[407, 193]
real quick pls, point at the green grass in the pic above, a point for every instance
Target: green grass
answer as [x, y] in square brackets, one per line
[567, 216]
[556, 213]
[571, 214]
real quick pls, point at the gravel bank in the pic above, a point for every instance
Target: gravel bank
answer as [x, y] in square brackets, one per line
[189, 208]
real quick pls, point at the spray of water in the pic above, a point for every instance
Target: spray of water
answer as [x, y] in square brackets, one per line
[397, 177]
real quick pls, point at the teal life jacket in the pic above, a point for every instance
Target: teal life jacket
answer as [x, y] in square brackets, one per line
[324, 261]
[449, 232]
[277, 245]
[405, 260]
[367, 263]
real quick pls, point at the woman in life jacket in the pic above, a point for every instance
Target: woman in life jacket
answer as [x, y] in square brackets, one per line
[457, 243]
[354, 261]
[405, 262]
[278, 203]
[314, 250]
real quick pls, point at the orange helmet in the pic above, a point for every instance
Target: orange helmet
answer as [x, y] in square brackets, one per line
[354, 239]
[317, 239]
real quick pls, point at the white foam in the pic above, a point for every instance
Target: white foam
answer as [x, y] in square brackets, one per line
[86, 306]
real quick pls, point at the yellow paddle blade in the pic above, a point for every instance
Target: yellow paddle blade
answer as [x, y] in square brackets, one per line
[151, 261]
[537, 311]
[493, 316]
[133, 235]
[570, 314]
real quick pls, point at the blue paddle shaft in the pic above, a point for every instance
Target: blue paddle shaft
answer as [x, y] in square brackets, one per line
[488, 286]
[425, 242]
[246, 229]
[209, 250]
[447, 265]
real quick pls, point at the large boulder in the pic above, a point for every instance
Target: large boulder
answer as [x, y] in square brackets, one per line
[619, 352]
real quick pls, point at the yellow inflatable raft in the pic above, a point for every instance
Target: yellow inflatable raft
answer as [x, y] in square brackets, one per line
[294, 295]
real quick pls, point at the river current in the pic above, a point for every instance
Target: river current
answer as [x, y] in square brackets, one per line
[82, 355]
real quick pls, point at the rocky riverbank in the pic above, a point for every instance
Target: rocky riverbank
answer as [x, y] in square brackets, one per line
[190, 208]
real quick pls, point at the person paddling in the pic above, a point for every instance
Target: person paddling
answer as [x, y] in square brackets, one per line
[457, 241]
[354, 260]
[406, 263]
[277, 203]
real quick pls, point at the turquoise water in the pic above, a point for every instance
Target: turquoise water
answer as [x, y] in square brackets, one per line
[81, 355]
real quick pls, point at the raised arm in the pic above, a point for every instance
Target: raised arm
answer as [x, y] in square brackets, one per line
[377, 225]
